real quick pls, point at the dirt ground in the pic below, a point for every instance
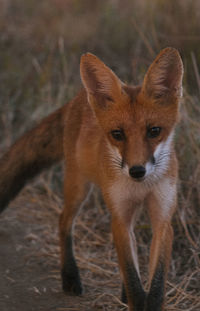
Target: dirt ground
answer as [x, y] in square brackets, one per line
[28, 281]
[29, 258]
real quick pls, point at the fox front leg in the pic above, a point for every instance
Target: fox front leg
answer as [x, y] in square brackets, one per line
[161, 205]
[124, 241]
[122, 214]
[75, 191]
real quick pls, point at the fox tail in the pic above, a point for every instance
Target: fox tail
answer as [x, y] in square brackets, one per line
[34, 151]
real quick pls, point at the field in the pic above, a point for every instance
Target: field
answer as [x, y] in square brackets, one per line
[40, 48]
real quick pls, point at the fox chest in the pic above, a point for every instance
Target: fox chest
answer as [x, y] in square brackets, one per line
[125, 190]
[126, 195]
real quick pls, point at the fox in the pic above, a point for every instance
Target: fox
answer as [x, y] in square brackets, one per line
[119, 137]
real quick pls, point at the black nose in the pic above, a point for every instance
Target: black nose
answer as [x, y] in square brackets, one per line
[137, 171]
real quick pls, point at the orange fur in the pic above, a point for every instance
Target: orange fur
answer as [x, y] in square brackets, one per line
[92, 153]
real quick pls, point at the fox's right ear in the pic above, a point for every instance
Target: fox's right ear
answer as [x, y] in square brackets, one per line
[100, 82]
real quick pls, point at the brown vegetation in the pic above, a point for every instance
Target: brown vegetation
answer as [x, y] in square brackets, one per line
[40, 48]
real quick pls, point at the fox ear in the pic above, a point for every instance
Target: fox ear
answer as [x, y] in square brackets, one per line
[164, 76]
[99, 81]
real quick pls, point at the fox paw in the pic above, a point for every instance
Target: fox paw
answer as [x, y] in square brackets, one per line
[71, 283]
[123, 295]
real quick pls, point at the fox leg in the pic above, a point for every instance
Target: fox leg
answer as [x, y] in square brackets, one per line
[135, 259]
[75, 190]
[161, 246]
[123, 295]
[124, 239]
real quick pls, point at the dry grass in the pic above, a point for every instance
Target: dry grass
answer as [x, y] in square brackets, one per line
[40, 49]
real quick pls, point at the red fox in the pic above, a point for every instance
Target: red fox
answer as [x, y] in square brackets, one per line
[119, 137]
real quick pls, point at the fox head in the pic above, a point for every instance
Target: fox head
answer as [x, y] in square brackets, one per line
[138, 122]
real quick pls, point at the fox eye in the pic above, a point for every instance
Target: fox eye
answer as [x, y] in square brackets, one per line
[118, 134]
[153, 132]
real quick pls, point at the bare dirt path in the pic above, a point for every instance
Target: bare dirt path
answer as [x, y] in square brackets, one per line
[26, 283]
[29, 261]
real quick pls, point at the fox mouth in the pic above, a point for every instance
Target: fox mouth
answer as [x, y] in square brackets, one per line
[139, 180]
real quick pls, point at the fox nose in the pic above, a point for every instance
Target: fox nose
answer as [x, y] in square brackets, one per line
[137, 171]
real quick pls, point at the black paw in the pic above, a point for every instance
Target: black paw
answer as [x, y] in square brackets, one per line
[71, 283]
[153, 304]
[123, 295]
[139, 300]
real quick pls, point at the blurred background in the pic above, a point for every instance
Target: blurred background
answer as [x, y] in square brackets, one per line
[40, 47]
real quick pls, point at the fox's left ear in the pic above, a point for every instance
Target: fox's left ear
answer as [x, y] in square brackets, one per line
[100, 82]
[164, 76]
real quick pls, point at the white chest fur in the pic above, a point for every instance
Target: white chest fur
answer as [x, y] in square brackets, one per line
[124, 193]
